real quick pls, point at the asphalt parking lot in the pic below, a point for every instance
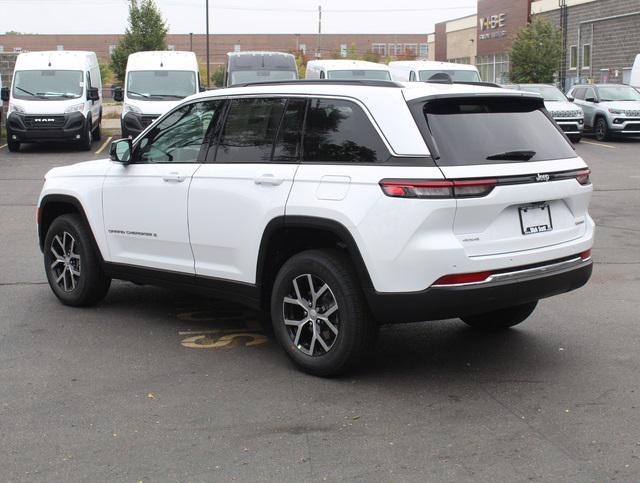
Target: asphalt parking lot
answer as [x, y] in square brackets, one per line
[155, 385]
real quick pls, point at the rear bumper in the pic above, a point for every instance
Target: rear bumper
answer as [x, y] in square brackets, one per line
[67, 127]
[517, 286]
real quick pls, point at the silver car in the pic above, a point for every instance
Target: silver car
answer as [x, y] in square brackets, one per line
[609, 109]
[567, 115]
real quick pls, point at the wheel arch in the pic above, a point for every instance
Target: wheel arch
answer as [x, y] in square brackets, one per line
[285, 236]
[54, 205]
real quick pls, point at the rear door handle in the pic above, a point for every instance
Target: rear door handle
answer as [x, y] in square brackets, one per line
[268, 179]
[173, 178]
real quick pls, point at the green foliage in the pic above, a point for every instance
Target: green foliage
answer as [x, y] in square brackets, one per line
[218, 76]
[536, 53]
[106, 75]
[146, 30]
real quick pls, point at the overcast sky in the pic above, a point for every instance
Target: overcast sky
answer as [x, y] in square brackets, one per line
[235, 16]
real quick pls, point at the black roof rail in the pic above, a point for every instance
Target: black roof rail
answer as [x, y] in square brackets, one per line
[341, 82]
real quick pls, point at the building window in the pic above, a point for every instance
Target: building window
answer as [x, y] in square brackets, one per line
[586, 56]
[59, 47]
[424, 50]
[493, 67]
[112, 48]
[303, 48]
[236, 48]
[460, 60]
[411, 49]
[1, 48]
[17, 49]
[396, 49]
[573, 57]
[171, 47]
[380, 49]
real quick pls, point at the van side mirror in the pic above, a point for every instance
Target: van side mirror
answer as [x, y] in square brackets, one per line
[120, 151]
[4, 94]
[591, 99]
[570, 99]
[202, 88]
[118, 95]
[93, 94]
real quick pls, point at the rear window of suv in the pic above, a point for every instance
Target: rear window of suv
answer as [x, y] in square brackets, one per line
[470, 131]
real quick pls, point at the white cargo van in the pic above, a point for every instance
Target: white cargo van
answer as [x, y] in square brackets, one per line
[255, 67]
[635, 73]
[344, 69]
[155, 81]
[424, 70]
[55, 96]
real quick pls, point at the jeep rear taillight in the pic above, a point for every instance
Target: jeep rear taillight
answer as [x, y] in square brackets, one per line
[583, 177]
[437, 189]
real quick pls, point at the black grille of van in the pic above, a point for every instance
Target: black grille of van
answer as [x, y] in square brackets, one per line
[44, 122]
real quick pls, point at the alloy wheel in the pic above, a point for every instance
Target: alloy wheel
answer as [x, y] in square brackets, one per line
[311, 315]
[66, 266]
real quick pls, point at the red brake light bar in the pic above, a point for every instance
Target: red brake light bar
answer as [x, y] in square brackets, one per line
[462, 278]
[437, 189]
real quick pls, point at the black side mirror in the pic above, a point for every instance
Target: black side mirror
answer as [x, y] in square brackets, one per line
[93, 94]
[4, 94]
[591, 99]
[570, 99]
[120, 151]
[202, 88]
[118, 95]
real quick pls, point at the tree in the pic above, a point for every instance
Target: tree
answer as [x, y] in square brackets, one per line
[536, 53]
[146, 30]
[218, 76]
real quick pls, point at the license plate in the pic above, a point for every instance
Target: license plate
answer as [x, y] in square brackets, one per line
[535, 218]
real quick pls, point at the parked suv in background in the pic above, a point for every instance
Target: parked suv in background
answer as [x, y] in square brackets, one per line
[334, 207]
[567, 115]
[609, 109]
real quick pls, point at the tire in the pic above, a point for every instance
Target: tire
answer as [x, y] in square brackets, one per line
[500, 319]
[69, 248]
[97, 132]
[350, 331]
[575, 139]
[14, 146]
[87, 137]
[601, 129]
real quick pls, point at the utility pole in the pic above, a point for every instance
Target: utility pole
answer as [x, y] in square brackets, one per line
[562, 77]
[191, 41]
[208, 73]
[319, 31]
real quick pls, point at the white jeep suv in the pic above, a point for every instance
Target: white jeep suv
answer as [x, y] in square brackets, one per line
[333, 207]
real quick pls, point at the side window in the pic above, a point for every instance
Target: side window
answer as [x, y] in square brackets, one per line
[287, 147]
[412, 76]
[589, 94]
[578, 93]
[178, 138]
[339, 131]
[250, 130]
[321, 74]
[89, 80]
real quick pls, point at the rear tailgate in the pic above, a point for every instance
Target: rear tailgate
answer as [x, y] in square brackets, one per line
[540, 190]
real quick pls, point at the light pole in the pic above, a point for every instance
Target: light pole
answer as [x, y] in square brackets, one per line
[208, 74]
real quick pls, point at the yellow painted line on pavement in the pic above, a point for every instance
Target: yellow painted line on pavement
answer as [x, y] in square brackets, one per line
[104, 145]
[600, 144]
[3, 146]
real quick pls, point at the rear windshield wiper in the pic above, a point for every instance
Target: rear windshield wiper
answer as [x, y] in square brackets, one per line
[513, 155]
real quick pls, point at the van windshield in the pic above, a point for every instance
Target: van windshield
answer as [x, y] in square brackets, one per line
[153, 85]
[248, 76]
[494, 130]
[48, 84]
[456, 75]
[359, 74]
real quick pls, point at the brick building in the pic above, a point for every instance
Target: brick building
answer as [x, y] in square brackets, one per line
[393, 45]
